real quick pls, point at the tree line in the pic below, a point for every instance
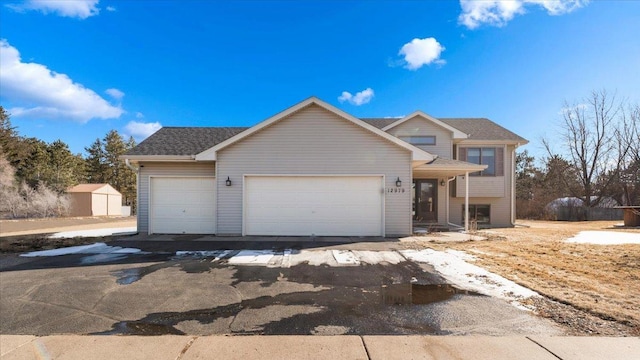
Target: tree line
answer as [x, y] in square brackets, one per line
[35, 175]
[596, 160]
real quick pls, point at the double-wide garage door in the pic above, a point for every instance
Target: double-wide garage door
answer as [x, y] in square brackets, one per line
[314, 205]
[182, 205]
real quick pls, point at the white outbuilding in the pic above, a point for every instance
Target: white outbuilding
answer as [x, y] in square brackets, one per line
[95, 200]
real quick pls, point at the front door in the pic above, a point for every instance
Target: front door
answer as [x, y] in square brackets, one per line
[425, 200]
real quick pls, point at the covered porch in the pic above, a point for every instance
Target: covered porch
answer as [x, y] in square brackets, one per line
[431, 193]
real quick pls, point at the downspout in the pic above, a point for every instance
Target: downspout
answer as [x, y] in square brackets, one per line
[513, 185]
[448, 205]
[137, 171]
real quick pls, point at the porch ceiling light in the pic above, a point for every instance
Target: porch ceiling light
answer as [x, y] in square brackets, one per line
[398, 182]
[228, 182]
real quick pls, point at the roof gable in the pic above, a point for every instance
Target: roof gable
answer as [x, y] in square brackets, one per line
[210, 154]
[456, 133]
[93, 188]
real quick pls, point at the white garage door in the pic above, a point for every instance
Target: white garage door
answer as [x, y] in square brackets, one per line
[314, 206]
[182, 205]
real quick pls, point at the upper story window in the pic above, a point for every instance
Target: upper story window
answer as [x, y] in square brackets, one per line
[419, 140]
[492, 157]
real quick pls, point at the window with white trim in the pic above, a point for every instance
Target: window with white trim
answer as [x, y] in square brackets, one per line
[419, 140]
[490, 156]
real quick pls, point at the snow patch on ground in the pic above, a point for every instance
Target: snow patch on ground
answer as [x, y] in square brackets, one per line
[215, 254]
[252, 257]
[453, 266]
[345, 257]
[97, 248]
[605, 238]
[377, 257]
[313, 258]
[95, 233]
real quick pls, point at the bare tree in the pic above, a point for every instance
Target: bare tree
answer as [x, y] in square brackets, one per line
[628, 138]
[47, 202]
[589, 134]
[11, 202]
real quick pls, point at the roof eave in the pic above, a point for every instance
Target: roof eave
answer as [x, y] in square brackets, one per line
[450, 167]
[138, 158]
[457, 134]
[495, 141]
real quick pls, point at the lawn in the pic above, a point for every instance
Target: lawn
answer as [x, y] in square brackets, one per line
[599, 283]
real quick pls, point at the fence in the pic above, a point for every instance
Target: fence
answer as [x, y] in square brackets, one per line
[574, 213]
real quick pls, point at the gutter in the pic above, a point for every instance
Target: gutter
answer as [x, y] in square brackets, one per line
[133, 168]
[513, 185]
[137, 171]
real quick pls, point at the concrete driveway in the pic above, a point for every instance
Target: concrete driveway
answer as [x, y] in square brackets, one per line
[221, 288]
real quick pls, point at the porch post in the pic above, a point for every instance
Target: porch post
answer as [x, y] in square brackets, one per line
[466, 201]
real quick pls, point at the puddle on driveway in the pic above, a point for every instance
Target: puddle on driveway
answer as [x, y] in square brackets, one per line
[417, 294]
[102, 258]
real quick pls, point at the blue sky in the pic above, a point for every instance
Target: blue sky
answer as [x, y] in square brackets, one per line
[73, 70]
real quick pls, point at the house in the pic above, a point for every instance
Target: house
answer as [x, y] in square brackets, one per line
[314, 170]
[95, 200]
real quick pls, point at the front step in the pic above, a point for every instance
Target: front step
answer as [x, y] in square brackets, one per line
[430, 228]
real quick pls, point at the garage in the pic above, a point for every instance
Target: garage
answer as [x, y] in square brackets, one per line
[314, 205]
[182, 205]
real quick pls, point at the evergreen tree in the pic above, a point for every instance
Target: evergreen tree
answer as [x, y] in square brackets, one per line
[34, 167]
[61, 170]
[103, 165]
[95, 163]
[11, 144]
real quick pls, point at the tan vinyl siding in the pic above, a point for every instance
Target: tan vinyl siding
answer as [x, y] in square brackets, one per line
[442, 202]
[483, 186]
[164, 169]
[419, 126]
[500, 210]
[314, 141]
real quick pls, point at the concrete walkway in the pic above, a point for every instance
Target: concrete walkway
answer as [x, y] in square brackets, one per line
[316, 347]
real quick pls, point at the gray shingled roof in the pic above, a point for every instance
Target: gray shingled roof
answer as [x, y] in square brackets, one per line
[184, 140]
[482, 129]
[194, 140]
[476, 128]
[380, 122]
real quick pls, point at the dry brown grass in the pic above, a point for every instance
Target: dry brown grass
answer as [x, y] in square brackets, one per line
[602, 280]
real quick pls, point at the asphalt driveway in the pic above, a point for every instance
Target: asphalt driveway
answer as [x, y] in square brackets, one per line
[221, 288]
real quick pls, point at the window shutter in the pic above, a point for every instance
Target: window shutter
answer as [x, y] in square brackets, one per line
[499, 161]
[462, 154]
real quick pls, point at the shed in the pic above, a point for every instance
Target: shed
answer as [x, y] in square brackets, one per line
[95, 200]
[631, 215]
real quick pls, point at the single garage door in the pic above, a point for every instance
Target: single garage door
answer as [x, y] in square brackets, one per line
[182, 205]
[314, 205]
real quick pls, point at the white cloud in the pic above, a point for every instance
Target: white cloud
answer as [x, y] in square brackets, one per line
[421, 52]
[41, 92]
[139, 115]
[141, 130]
[110, 8]
[500, 12]
[115, 93]
[359, 98]
[68, 8]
